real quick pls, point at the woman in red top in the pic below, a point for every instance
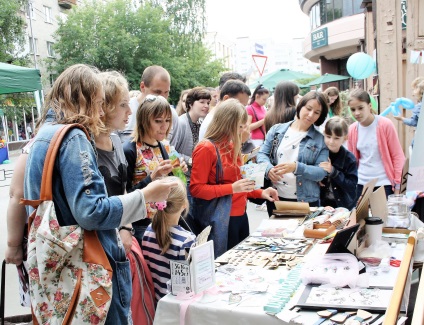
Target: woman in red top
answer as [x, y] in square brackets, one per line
[224, 132]
[256, 115]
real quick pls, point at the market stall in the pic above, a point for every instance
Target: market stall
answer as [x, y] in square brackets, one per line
[273, 277]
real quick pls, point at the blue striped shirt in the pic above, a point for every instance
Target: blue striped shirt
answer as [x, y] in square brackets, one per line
[159, 264]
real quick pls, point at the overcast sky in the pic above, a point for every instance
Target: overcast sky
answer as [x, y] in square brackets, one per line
[279, 19]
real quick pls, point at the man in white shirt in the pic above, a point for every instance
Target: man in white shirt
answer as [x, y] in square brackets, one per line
[155, 80]
[224, 78]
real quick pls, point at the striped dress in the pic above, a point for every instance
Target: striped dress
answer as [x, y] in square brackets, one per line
[159, 264]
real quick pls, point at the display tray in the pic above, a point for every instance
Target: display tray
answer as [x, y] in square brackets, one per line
[346, 299]
[289, 213]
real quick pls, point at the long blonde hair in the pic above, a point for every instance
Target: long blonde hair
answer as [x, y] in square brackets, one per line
[72, 98]
[160, 223]
[114, 86]
[224, 128]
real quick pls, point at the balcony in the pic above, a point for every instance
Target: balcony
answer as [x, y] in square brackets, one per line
[67, 4]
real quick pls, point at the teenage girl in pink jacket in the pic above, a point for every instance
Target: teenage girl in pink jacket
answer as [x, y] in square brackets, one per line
[374, 142]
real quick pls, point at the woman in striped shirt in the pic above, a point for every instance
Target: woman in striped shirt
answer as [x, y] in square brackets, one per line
[165, 240]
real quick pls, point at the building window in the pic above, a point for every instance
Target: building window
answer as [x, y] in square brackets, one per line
[326, 11]
[48, 15]
[32, 45]
[50, 50]
[30, 12]
[52, 78]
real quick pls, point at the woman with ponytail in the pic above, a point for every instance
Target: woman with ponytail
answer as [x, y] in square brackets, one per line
[165, 240]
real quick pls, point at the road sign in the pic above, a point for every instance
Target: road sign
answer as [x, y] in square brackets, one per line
[260, 62]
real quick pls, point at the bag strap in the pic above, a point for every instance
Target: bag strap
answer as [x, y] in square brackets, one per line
[46, 193]
[257, 120]
[274, 145]
[219, 169]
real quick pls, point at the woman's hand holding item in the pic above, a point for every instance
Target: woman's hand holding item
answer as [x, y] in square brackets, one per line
[163, 169]
[184, 166]
[270, 194]
[285, 168]
[243, 185]
[326, 165]
[273, 175]
[158, 191]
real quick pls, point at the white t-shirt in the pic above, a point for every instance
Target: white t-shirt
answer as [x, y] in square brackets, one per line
[370, 162]
[288, 151]
[205, 124]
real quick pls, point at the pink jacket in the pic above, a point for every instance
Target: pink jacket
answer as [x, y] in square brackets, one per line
[389, 146]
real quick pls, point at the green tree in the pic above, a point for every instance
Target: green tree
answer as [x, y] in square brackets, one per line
[12, 31]
[188, 19]
[114, 35]
[15, 104]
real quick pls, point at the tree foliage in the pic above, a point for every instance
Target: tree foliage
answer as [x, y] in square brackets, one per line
[12, 31]
[15, 104]
[116, 36]
[187, 20]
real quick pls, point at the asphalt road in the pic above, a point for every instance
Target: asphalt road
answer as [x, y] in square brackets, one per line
[12, 306]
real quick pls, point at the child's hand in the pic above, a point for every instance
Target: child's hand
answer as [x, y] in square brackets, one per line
[399, 118]
[326, 165]
[163, 169]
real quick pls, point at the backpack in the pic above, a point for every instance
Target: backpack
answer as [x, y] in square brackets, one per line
[143, 298]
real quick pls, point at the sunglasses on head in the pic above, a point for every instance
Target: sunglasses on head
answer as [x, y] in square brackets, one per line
[151, 98]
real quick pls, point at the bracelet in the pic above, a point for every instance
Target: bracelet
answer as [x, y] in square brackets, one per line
[131, 230]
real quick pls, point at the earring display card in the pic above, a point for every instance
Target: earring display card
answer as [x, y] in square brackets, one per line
[370, 299]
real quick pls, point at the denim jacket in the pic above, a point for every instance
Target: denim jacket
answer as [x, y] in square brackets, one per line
[312, 151]
[80, 197]
[343, 178]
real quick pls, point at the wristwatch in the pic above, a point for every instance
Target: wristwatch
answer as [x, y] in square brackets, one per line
[131, 230]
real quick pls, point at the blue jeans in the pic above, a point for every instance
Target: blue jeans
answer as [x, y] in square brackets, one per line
[359, 188]
[238, 230]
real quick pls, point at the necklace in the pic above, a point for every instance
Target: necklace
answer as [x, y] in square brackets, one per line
[150, 145]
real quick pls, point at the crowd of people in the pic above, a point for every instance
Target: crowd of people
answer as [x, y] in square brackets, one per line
[116, 182]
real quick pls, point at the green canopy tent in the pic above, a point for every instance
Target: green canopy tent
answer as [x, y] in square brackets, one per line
[15, 79]
[326, 78]
[270, 80]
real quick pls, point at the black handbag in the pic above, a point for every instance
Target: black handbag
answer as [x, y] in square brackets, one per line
[215, 213]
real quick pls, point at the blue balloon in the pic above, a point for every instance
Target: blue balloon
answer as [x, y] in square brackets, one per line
[360, 65]
[393, 108]
[406, 103]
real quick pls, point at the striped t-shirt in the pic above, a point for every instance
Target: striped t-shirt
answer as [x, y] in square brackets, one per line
[159, 264]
